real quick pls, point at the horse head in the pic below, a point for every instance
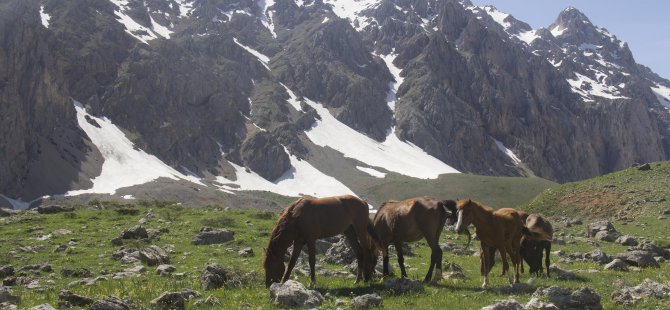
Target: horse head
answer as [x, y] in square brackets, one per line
[274, 267]
[450, 207]
[464, 213]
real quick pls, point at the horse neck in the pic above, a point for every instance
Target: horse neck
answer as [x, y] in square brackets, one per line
[481, 216]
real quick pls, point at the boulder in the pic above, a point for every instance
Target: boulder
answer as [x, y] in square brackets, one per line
[154, 255]
[646, 289]
[127, 255]
[563, 298]
[209, 236]
[595, 227]
[174, 300]
[6, 271]
[617, 264]
[507, 304]
[68, 298]
[537, 304]
[609, 236]
[213, 276]
[110, 303]
[639, 258]
[644, 167]
[366, 301]
[77, 273]
[562, 274]
[246, 252]
[453, 271]
[43, 307]
[165, 270]
[627, 240]
[7, 295]
[340, 253]
[291, 294]
[7, 212]
[650, 247]
[598, 256]
[53, 209]
[403, 285]
[135, 232]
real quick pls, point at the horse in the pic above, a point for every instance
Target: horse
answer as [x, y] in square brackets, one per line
[497, 230]
[309, 219]
[408, 221]
[531, 249]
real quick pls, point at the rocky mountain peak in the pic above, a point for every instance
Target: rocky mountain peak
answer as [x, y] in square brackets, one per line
[572, 24]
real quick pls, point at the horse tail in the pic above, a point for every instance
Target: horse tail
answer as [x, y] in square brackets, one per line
[535, 235]
[376, 242]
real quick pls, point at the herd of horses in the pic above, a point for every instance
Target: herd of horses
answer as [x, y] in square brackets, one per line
[512, 233]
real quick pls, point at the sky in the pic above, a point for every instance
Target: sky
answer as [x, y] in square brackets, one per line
[643, 24]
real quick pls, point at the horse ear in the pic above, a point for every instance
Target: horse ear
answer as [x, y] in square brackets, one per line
[469, 201]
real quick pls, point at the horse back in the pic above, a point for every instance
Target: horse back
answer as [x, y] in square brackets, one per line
[324, 217]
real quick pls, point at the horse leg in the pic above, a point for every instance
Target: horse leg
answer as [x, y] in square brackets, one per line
[547, 250]
[505, 266]
[352, 238]
[365, 254]
[385, 261]
[401, 258]
[311, 250]
[515, 256]
[435, 260]
[484, 257]
[297, 247]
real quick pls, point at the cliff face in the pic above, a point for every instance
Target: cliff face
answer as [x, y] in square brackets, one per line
[200, 84]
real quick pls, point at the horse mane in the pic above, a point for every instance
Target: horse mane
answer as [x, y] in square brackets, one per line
[284, 222]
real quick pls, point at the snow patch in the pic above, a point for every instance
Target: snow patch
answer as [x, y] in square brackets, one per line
[528, 36]
[45, 17]
[663, 95]
[352, 9]
[262, 58]
[393, 154]
[325, 20]
[132, 27]
[391, 96]
[598, 87]
[185, 7]
[372, 172]
[558, 31]
[128, 197]
[301, 179]
[266, 19]
[123, 165]
[498, 16]
[293, 99]
[160, 29]
[508, 152]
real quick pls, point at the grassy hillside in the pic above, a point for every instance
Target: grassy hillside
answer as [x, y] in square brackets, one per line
[92, 228]
[626, 193]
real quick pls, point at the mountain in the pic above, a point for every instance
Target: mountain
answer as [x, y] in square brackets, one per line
[311, 97]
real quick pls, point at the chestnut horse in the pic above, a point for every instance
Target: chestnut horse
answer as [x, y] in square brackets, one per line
[309, 219]
[408, 221]
[531, 249]
[497, 230]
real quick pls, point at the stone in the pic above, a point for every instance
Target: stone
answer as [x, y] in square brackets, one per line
[644, 167]
[213, 276]
[366, 301]
[563, 298]
[609, 236]
[595, 227]
[43, 307]
[627, 240]
[572, 222]
[340, 253]
[165, 270]
[209, 236]
[53, 209]
[507, 304]
[652, 248]
[135, 232]
[110, 303]
[7, 295]
[174, 300]
[6, 271]
[646, 289]
[562, 274]
[639, 258]
[74, 299]
[154, 255]
[558, 253]
[209, 301]
[127, 255]
[246, 252]
[453, 271]
[617, 264]
[403, 285]
[78, 273]
[292, 294]
[537, 304]
[598, 256]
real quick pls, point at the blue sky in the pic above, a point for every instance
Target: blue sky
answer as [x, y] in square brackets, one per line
[643, 24]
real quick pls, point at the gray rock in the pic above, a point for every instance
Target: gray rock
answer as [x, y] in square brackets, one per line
[292, 294]
[174, 300]
[109, 303]
[246, 252]
[6, 295]
[595, 227]
[558, 253]
[6, 271]
[403, 285]
[453, 271]
[644, 167]
[74, 299]
[340, 253]
[627, 240]
[572, 222]
[646, 289]
[43, 307]
[508, 304]
[154, 255]
[7, 212]
[78, 273]
[639, 258]
[562, 274]
[209, 236]
[650, 247]
[366, 301]
[598, 256]
[213, 276]
[135, 232]
[537, 304]
[165, 270]
[617, 264]
[609, 236]
[53, 209]
[563, 298]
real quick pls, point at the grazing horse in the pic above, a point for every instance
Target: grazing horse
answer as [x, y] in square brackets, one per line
[531, 249]
[408, 221]
[309, 219]
[497, 230]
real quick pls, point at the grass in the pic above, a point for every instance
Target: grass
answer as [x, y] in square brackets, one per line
[93, 229]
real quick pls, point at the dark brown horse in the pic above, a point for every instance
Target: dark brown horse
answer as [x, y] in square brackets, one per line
[497, 230]
[408, 221]
[309, 219]
[531, 249]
